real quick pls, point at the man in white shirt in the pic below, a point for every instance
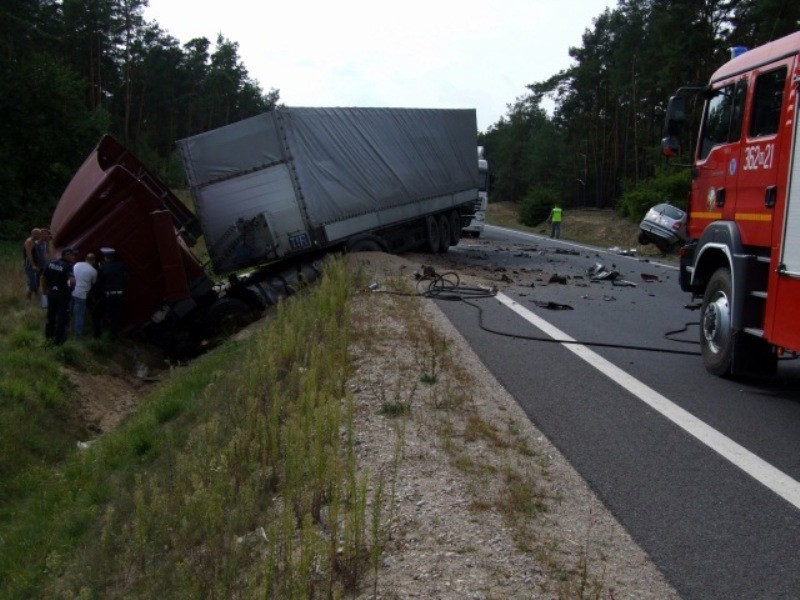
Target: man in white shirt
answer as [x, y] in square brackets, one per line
[85, 277]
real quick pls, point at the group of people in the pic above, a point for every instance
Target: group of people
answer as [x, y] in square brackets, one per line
[74, 287]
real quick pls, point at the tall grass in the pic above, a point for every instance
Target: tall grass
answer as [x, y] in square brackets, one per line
[37, 422]
[237, 478]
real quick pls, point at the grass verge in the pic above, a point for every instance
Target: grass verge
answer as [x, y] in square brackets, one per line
[236, 478]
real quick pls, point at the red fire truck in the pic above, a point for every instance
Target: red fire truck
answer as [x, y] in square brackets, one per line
[743, 250]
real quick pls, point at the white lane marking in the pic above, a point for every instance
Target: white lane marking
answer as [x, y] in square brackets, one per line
[759, 469]
[576, 245]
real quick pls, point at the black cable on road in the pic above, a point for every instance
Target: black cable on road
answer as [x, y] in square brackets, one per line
[550, 340]
[447, 287]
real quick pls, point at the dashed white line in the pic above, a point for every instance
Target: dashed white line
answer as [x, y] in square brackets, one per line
[757, 468]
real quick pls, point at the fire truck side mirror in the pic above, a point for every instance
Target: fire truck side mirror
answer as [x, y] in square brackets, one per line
[676, 116]
[670, 147]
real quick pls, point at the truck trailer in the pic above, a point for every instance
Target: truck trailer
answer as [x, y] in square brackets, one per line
[742, 255]
[274, 194]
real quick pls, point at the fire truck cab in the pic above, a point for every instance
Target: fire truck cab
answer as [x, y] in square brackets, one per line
[743, 236]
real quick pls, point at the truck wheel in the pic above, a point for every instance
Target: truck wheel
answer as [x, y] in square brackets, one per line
[366, 243]
[432, 234]
[444, 233]
[716, 332]
[226, 316]
[455, 227]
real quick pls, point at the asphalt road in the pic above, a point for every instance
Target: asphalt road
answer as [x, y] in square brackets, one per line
[703, 472]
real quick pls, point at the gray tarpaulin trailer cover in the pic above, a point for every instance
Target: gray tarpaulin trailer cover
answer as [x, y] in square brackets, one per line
[295, 179]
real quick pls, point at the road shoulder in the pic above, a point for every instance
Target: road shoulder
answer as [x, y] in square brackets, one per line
[483, 504]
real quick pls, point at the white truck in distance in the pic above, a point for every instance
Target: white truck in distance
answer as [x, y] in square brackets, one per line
[475, 227]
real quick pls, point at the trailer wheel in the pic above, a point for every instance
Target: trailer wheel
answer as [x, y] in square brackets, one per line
[432, 234]
[226, 316]
[716, 331]
[455, 227]
[366, 243]
[444, 234]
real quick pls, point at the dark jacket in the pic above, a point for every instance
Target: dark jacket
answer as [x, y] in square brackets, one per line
[111, 278]
[57, 274]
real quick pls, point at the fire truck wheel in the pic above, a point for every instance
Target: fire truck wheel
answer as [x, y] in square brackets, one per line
[455, 227]
[444, 233]
[432, 234]
[716, 333]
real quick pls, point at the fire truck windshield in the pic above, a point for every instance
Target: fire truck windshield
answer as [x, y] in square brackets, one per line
[722, 123]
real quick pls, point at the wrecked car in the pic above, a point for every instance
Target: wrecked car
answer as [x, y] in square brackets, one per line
[664, 225]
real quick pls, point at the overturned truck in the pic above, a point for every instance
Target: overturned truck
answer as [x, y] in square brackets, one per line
[273, 195]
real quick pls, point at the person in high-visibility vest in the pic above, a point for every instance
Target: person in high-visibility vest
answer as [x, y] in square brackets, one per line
[556, 214]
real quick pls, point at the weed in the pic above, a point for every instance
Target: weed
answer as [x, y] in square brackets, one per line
[70, 355]
[428, 379]
[166, 408]
[479, 429]
[395, 409]
[24, 338]
[396, 397]
[429, 350]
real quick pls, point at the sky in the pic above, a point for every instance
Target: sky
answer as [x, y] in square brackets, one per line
[411, 53]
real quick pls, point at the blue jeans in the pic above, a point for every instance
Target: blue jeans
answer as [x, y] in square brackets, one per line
[32, 278]
[556, 230]
[78, 315]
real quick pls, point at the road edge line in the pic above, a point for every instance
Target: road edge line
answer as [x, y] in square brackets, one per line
[754, 466]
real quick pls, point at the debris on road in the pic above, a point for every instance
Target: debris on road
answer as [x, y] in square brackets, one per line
[648, 277]
[556, 278]
[599, 272]
[552, 305]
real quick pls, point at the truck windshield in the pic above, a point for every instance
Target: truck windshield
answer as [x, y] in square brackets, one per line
[722, 123]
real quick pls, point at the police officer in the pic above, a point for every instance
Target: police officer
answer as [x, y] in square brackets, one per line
[111, 284]
[58, 283]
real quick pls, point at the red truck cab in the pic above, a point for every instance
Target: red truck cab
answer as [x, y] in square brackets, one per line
[114, 201]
